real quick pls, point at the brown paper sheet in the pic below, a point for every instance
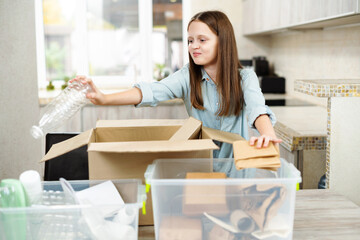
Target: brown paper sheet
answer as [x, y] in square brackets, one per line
[261, 202]
[246, 156]
[205, 198]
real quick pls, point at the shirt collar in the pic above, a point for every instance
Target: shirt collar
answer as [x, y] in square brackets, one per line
[205, 76]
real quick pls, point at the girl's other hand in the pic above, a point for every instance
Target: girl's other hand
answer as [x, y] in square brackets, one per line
[263, 141]
[96, 97]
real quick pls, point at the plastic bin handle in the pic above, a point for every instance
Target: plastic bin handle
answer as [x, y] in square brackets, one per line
[149, 173]
[142, 193]
[142, 198]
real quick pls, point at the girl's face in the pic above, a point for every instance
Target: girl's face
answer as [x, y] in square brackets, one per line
[202, 44]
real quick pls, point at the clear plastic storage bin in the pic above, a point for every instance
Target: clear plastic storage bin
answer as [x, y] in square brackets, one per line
[59, 217]
[245, 204]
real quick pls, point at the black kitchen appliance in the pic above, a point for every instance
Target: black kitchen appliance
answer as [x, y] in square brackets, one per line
[272, 84]
[261, 66]
[246, 62]
[289, 102]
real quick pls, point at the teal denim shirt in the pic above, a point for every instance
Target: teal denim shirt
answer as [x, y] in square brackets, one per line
[177, 85]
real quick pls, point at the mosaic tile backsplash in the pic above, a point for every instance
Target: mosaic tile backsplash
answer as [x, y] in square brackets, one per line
[293, 142]
[329, 88]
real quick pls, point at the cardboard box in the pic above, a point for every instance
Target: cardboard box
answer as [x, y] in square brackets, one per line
[198, 199]
[121, 149]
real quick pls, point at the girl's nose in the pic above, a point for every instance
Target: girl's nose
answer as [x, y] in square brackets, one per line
[194, 45]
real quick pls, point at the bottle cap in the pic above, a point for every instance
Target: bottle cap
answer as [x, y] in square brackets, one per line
[32, 184]
[36, 132]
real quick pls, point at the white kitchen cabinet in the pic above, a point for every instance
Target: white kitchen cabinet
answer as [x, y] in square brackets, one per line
[340, 7]
[261, 17]
[285, 13]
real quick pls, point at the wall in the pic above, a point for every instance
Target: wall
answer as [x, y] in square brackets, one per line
[332, 53]
[247, 48]
[19, 107]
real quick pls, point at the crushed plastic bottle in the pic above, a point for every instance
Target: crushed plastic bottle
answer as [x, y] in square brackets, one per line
[62, 108]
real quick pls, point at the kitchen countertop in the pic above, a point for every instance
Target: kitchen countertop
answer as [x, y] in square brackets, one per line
[301, 128]
[329, 87]
[319, 214]
[46, 97]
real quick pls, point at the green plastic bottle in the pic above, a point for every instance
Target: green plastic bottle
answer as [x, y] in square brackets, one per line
[13, 200]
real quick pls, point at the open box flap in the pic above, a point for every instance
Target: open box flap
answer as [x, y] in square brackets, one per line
[153, 146]
[214, 134]
[139, 123]
[68, 145]
[189, 130]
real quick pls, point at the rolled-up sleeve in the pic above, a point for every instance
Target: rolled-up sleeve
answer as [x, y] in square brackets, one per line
[254, 99]
[174, 86]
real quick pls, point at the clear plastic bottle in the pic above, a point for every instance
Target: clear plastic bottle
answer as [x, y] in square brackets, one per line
[62, 108]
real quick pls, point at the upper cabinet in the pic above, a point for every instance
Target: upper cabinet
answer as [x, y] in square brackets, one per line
[261, 17]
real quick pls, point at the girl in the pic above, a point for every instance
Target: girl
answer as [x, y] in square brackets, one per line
[214, 87]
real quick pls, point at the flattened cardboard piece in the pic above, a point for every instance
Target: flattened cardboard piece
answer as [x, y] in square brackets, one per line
[175, 227]
[205, 175]
[243, 150]
[153, 146]
[199, 198]
[189, 130]
[139, 123]
[227, 137]
[257, 162]
[246, 156]
[68, 145]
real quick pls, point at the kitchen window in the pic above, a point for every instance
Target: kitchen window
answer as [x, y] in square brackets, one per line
[115, 42]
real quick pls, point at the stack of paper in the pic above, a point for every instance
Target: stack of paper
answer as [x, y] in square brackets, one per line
[247, 156]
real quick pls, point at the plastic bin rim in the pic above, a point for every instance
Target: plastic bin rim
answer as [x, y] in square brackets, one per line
[226, 181]
[130, 180]
[40, 208]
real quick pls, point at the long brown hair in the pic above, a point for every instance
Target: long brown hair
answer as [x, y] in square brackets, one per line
[228, 79]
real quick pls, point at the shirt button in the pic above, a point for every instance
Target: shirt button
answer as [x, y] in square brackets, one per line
[217, 103]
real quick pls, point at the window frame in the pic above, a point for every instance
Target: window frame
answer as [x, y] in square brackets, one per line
[82, 67]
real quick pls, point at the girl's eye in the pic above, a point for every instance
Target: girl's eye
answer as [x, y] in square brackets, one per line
[190, 41]
[202, 40]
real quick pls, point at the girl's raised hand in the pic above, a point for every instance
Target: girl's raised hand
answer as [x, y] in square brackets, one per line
[96, 97]
[263, 141]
